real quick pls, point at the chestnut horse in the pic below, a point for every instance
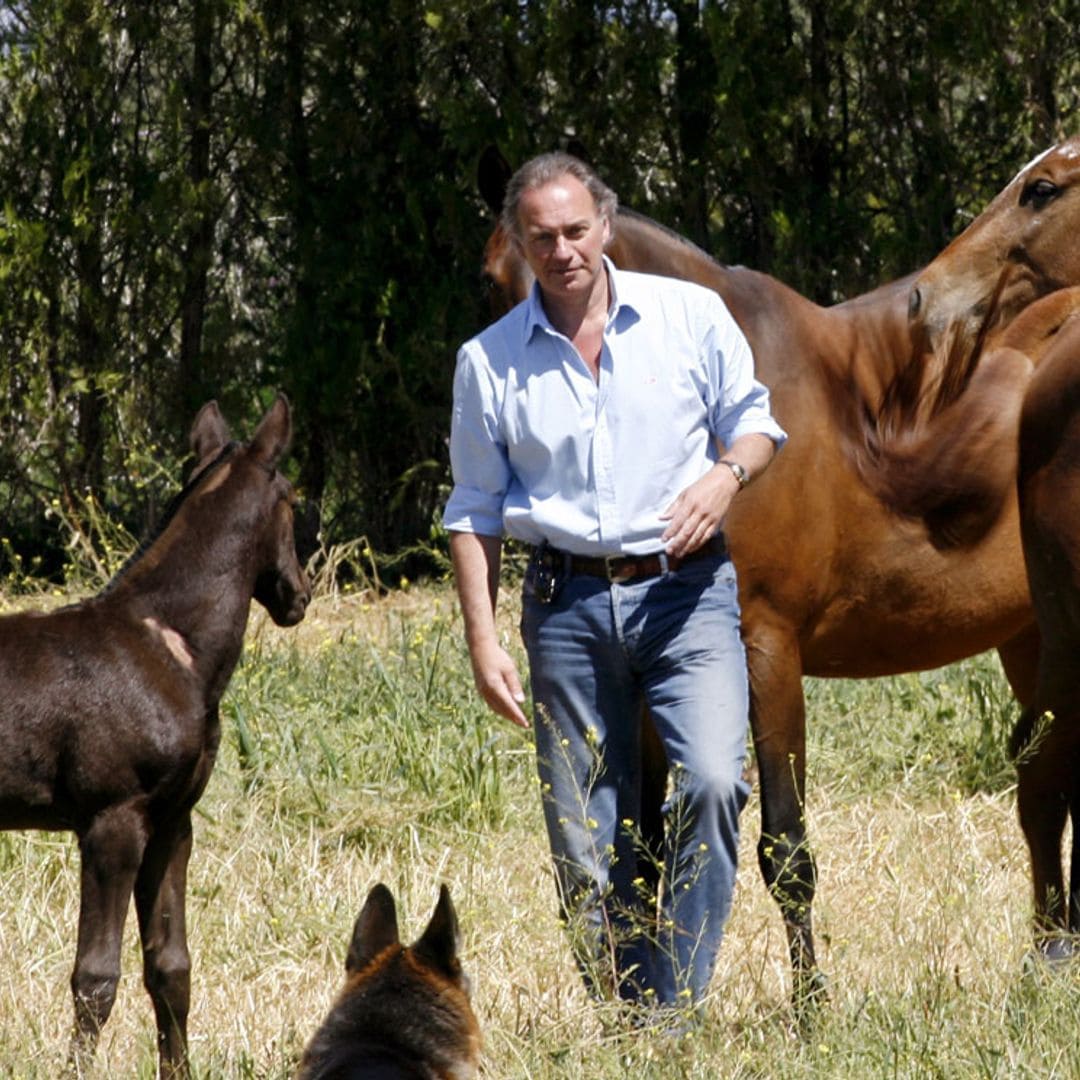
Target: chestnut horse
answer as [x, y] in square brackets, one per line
[1021, 247]
[832, 581]
[1022, 255]
[1022, 250]
[1020, 415]
[109, 712]
[1047, 738]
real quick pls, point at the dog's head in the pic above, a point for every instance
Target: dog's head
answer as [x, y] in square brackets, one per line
[403, 1007]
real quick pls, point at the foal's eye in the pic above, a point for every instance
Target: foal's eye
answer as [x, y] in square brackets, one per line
[1039, 193]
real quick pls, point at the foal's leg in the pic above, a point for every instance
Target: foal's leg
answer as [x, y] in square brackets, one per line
[160, 894]
[111, 850]
[778, 723]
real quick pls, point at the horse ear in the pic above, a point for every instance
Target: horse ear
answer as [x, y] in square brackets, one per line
[271, 438]
[576, 147]
[375, 929]
[439, 943]
[493, 174]
[209, 432]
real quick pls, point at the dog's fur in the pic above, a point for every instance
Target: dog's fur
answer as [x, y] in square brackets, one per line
[404, 1013]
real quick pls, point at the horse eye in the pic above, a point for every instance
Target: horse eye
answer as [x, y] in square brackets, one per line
[1039, 193]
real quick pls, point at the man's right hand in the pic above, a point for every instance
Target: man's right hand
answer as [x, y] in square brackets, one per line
[476, 569]
[497, 680]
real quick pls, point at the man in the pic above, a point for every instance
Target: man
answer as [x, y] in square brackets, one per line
[608, 421]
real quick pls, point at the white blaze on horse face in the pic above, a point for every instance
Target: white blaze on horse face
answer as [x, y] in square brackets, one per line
[174, 641]
[1003, 261]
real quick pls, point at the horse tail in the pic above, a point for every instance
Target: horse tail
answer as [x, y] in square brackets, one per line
[955, 469]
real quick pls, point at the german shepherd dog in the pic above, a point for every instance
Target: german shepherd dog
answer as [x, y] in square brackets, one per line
[404, 1013]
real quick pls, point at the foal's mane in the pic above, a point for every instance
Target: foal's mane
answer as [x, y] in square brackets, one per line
[171, 510]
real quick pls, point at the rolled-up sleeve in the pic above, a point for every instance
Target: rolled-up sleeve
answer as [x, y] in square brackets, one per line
[742, 404]
[478, 457]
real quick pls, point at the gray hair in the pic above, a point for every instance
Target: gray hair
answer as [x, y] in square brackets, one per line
[543, 170]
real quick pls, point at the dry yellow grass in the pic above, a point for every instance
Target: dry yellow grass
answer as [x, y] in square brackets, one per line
[923, 900]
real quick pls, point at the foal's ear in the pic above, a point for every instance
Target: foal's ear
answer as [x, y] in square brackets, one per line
[376, 929]
[209, 432]
[439, 943]
[271, 438]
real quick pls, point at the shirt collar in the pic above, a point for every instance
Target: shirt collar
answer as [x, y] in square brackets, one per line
[536, 317]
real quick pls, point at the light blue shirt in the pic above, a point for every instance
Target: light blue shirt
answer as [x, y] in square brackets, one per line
[541, 451]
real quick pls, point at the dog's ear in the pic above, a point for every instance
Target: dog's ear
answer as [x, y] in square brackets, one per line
[438, 946]
[376, 929]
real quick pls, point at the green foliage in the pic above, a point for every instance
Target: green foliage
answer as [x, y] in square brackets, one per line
[403, 725]
[222, 199]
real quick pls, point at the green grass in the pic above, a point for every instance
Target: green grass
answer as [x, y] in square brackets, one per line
[355, 750]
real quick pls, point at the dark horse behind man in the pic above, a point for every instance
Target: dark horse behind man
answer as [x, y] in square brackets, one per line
[109, 712]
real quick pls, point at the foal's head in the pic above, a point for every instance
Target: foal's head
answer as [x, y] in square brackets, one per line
[281, 585]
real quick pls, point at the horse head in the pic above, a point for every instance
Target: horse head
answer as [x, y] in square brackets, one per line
[505, 270]
[281, 584]
[1021, 247]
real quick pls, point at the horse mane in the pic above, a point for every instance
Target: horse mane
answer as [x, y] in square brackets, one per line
[170, 512]
[931, 380]
[938, 447]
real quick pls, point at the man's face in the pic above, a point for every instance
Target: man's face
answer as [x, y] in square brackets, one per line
[562, 236]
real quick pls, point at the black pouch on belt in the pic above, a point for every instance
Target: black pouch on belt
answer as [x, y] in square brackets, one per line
[545, 573]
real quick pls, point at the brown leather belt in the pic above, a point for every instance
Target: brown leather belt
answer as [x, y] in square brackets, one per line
[620, 568]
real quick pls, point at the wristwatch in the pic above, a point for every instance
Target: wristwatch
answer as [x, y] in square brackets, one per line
[740, 473]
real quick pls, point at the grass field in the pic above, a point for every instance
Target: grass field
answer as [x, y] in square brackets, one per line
[355, 751]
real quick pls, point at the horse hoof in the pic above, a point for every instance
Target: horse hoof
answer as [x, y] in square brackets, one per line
[1059, 951]
[1050, 954]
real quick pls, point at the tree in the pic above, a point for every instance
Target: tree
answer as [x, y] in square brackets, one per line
[214, 198]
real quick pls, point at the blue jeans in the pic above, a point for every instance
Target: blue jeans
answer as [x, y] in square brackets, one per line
[597, 654]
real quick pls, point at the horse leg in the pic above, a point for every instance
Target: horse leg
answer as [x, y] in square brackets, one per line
[1074, 862]
[160, 902]
[778, 725]
[111, 850]
[654, 780]
[1044, 786]
[1020, 662]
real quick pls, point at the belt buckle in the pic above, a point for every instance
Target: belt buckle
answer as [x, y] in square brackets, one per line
[616, 573]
